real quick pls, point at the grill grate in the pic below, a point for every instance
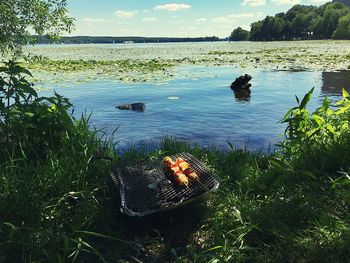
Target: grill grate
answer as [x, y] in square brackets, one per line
[146, 190]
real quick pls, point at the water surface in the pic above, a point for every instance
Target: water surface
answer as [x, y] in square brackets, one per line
[199, 107]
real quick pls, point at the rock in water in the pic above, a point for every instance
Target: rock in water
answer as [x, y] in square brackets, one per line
[140, 107]
[241, 83]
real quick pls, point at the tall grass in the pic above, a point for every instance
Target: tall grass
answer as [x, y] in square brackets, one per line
[44, 204]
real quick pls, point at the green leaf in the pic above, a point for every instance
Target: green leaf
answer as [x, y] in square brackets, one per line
[329, 112]
[306, 99]
[312, 132]
[29, 114]
[102, 236]
[319, 120]
[13, 227]
[330, 128]
[325, 103]
[287, 114]
[211, 249]
[231, 145]
[345, 94]
[342, 110]
[15, 111]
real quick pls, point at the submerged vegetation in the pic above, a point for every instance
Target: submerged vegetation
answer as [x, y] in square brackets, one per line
[59, 205]
[160, 62]
[126, 70]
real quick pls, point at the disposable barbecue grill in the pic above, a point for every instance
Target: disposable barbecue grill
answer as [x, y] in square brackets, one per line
[146, 190]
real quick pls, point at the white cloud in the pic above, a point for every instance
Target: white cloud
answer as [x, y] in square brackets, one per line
[254, 2]
[286, 2]
[124, 14]
[261, 14]
[172, 7]
[201, 20]
[243, 15]
[319, 1]
[150, 19]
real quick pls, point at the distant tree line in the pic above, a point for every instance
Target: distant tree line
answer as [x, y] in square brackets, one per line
[116, 40]
[331, 20]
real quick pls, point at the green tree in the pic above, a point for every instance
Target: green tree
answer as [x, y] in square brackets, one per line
[331, 16]
[343, 29]
[277, 26]
[255, 31]
[266, 28]
[239, 34]
[301, 21]
[23, 114]
[299, 25]
[316, 27]
[21, 18]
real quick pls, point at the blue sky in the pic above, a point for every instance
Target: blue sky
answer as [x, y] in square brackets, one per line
[172, 18]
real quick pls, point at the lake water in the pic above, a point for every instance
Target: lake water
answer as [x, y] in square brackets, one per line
[200, 107]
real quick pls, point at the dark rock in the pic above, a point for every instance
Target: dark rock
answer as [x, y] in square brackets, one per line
[241, 83]
[140, 107]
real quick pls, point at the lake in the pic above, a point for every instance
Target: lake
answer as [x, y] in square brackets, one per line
[199, 107]
[185, 87]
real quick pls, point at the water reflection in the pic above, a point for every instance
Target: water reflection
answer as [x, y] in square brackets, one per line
[242, 95]
[334, 82]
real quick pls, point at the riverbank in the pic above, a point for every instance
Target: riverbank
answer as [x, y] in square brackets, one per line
[289, 206]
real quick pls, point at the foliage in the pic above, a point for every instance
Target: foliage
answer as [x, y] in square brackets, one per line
[21, 18]
[326, 126]
[28, 123]
[49, 206]
[52, 174]
[303, 22]
[239, 34]
[343, 29]
[321, 137]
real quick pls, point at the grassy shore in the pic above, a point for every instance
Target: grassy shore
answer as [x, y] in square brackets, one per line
[291, 206]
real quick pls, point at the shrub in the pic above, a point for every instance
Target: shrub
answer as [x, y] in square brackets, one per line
[29, 125]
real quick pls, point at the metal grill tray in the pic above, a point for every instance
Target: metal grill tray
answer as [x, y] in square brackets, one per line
[146, 190]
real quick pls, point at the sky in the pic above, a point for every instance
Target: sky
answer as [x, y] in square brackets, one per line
[153, 18]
